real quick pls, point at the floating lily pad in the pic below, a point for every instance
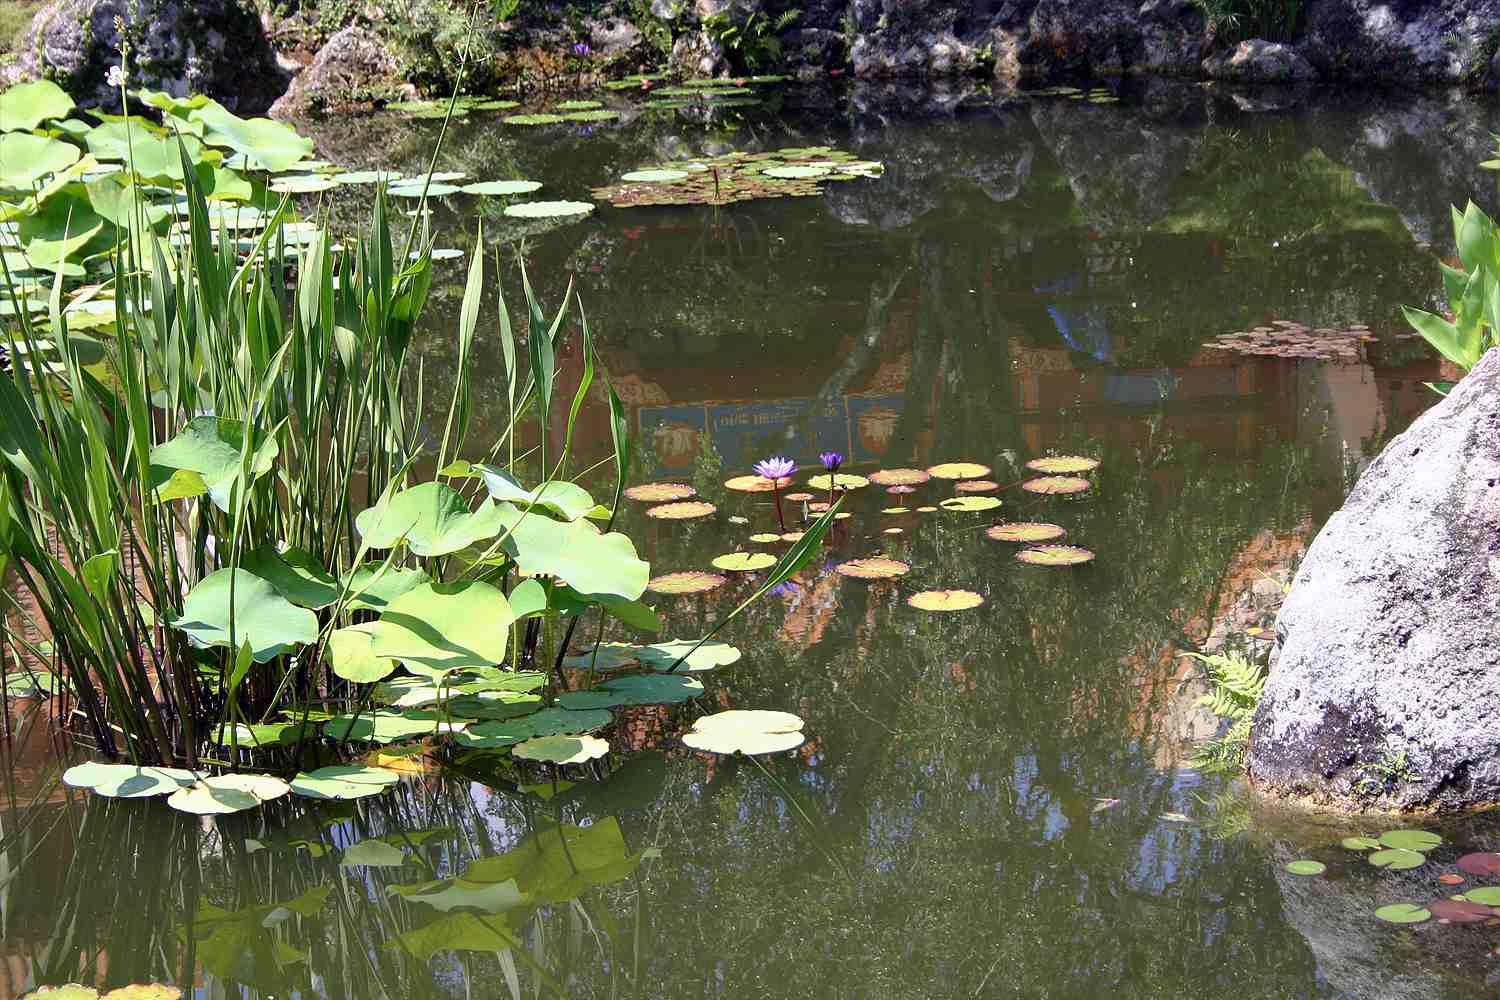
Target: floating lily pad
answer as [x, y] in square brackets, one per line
[926, 509]
[653, 176]
[579, 105]
[894, 531]
[548, 209]
[1397, 860]
[368, 177]
[976, 486]
[1482, 863]
[709, 656]
[1403, 913]
[687, 510]
[562, 749]
[752, 484]
[609, 657]
[1361, 843]
[1026, 532]
[970, 505]
[436, 189]
[127, 781]
[1305, 867]
[343, 781]
[635, 689]
[387, 726]
[269, 734]
[748, 732]
[795, 172]
[1411, 840]
[533, 119]
[1459, 911]
[501, 188]
[660, 492]
[1063, 465]
[1451, 879]
[1488, 895]
[302, 184]
[547, 722]
[731, 177]
[1055, 485]
[841, 480]
[494, 705]
[1055, 555]
[872, 569]
[373, 854]
[959, 470]
[686, 582]
[900, 477]
[227, 793]
[744, 562]
[945, 600]
[765, 537]
[796, 536]
[896, 510]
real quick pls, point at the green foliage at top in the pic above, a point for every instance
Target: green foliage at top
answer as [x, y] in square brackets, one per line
[1238, 686]
[1473, 292]
[754, 43]
[1234, 21]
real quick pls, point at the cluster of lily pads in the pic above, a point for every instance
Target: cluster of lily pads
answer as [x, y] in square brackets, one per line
[1288, 339]
[1095, 95]
[798, 172]
[1406, 850]
[76, 991]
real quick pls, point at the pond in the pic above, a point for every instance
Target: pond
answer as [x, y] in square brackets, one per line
[1201, 290]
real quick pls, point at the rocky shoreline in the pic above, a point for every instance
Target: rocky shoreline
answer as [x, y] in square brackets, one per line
[303, 65]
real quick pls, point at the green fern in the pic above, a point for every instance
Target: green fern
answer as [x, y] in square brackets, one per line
[1238, 686]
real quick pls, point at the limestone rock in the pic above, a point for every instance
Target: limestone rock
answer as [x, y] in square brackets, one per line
[213, 47]
[354, 67]
[1259, 61]
[613, 36]
[699, 54]
[1446, 41]
[1387, 689]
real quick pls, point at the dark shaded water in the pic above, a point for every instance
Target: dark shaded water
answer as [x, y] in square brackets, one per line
[992, 803]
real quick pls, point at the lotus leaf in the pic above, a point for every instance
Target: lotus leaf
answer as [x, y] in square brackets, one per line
[343, 781]
[227, 793]
[127, 781]
[351, 654]
[373, 854]
[457, 932]
[842, 481]
[460, 894]
[945, 600]
[263, 734]
[594, 564]
[371, 587]
[1403, 913]
[744, 562]
[533, 119]
[609, 657]
[26, 159]
[25, 106]
[709, 656]
[548, 209]
[432, 518]
[556, 864]
[210, 447]
[270, 623]
[568, 501]
[547, 722]
[499, 705]
[270, 145]
[302, 184]
[872, 569]
[686, 582]
[660, 492]
[748, 732]
[900, 477]
[295, 574]
[562, 749]
[417, 189]
[1411, 840]
[501, 188]
[959, 470]
[687, 510]
[970, 505]
[635, 689]
[1397, 859]
[528, 599]
[1026, 532]
[1305, 867]
[495, 679]
[33, 684]
[1055, 485]
[149, 153]
[1488, 895]
[1063, 465]
[1055, 555]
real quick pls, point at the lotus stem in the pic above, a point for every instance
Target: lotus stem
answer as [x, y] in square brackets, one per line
[776, 492]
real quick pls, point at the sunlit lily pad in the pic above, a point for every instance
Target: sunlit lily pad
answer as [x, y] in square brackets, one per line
[501, 188]
[126, 781]
[894, 531]
[744, 562]
[1397, 860]
[872, 569]
[1360, 843]
[579, 105]
[709, 656]
[635, 689]
[660, 492]
[494, 705]
[302, 184]
[387, 726]
[749, 732]
[547, 722]
[1026, 532]
[368, 177]
[796, 536]
[686, 582]
[1403, 913]
[959, 470]
[1306, 867]
[1411, 840]
[1459, 911]
[976, 486]
[1480, 863]
[970, 505]
[896, 510]
[687, 510]
[1489, 895]
[548, 209]
[1055, 555]
[609, 657]
[1063, 465]
[945, 600]
[900, 477]
[562, 749]
[926, 509]
[343, 781]
[227, 793]
[1055, 485]
[796, 172]
[436, 189]
[540, 119]
[753, 484]
[841, 480]
[653, 176]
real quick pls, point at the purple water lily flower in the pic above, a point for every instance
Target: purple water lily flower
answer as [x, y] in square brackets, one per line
[582, 49]
[776, 469]
[831, 461]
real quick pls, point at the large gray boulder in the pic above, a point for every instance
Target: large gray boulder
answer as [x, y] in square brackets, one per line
[1259, 61]
[1444, 41]
[353, 67]
[1386, 694]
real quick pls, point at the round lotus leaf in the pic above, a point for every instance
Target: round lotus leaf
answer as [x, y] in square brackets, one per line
[1459, 911]
[1055, 485]
[749, 732]
[1411, 840]
[610, 656]
[259, 615]
[302, 184]
[969, 505]
[959, 470]
[548, 209]
[872, 569]
[127, 781]
[945, 600]
[1403, 913]
[794, 172]
[501, 188]
[562, 749]
[343, 781]
[1481, 863]
[686, 582]
[592, 116]
[1305, 867]
[579, 105]
[744, 562]
[25, 158]
[900, 477]
[653, 176]
[532, 119]
[26, 105]
[547, 722]
[227, 793]
[1488, 895]
[1055, 555]
[494, 705]
[709, 656]
[976, 486]
[1063, 465]
[1025, 532]
[1398, 859]
[839, 480]
[387, 726]
[660, 492]
[636, 689]
[1360, 843]
[264, 734]
[436, 189]
[752, 484]
[368, 177]
[687, 510]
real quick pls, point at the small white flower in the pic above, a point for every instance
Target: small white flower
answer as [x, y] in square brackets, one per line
[116, 77]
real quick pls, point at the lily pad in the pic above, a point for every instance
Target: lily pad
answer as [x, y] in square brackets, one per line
[1403, 913]
[26, 105]
[1397, 860]
[945, 600]
[765, 537]
[753, 484]
[501, 188]
[976, 486]
[1459, 911]
[368, 177]
[547, 722]
[1360, 843]
[302, 184]
[562, 749]
[841, 481]
[660, 492]
[1063, 465]
[383, 725]
[548, 209]
[1480, 863]
[433, 519]
[685, 511]
[709, 656]
[1055, 485]
[1411, 840]
[579, 105]
[635, 689]
[1025, 532]
[900, 477]
[1488, 895]
[539, 119]
[653, 176]
[609, 657]
[795, 172]
[750, 732]
[373, 854]
[872, 569]
[1055, 555]
[970, 505]
[227, 793]
[1305, 867]
[416, 189]
[343, 781]
[127, 781]
[686, 582]
[444, 626]
[959, 470]
[744, 562]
